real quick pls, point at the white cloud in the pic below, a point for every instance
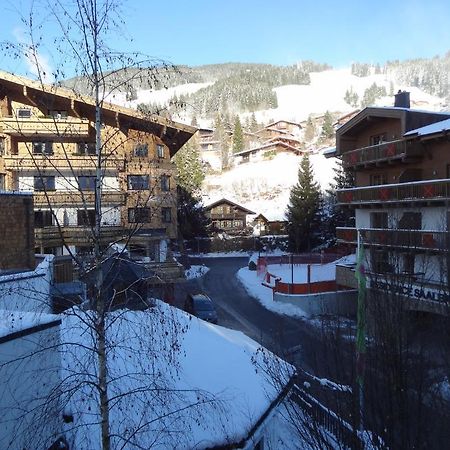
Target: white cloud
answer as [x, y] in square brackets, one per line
[37, 63]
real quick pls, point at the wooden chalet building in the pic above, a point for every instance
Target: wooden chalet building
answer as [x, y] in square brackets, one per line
[228, 216]
[401, 161]
[47, 147]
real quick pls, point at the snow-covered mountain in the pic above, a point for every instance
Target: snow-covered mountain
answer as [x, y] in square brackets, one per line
[264, 186]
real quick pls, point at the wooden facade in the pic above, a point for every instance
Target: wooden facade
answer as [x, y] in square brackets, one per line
[401, 161]
[228, 216]
[47, 147]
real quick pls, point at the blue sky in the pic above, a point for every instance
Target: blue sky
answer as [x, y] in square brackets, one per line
[198, 32]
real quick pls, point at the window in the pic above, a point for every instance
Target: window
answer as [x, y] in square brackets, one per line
[86, 183]
[43, 219]
[410, 221]
[58, 114]
[86, 148]
[141, 150]
[86, 217]
[44, 183]
[377, 179]
[137, 182]
[2, 182]
[378, 139]
[408, 263]
[41, 148]
[166, 215]
[138, 215]
[380, 262]
[165, 183]
[24, 113]
[378, 220]
[160, 150]
[2, 145]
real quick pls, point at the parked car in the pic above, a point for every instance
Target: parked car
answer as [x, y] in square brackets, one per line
[202, 306]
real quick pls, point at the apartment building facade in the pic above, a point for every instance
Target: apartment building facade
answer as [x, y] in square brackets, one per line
[401, 161]
[47, 147]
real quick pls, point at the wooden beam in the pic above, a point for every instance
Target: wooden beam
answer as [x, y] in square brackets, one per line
[73, 109]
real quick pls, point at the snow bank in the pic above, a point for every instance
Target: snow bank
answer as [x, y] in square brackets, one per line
[196, 272]
[177, 381]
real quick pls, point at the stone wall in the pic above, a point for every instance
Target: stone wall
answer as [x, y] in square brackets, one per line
[16, 231]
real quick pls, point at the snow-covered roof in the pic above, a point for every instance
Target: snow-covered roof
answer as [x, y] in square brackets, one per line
[229, 202]
[203, 380]
[434, 128]
[16, 321]
[329, 152]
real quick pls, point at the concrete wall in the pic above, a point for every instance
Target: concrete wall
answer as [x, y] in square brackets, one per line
[338, 302]
[16, 231]
[29, 370]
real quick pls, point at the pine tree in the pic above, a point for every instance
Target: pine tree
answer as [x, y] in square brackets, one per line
[238, 136]
[192, 221]
[338, 216]
[303, 209]
[310, 130]
[221, 138]
[254, 126]
[327, 127]
[190, 170]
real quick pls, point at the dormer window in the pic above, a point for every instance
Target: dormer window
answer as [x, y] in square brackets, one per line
[160, 150]
[23, 113]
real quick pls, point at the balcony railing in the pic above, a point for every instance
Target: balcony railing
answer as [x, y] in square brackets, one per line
[47, 126]
[49, 236]
[384, 152]
[75, 198]
[417, 191]
[410, 239]
[71, 162]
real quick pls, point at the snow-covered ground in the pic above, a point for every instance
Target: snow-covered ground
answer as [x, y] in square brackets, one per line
[252, 284]
[187, 375]
[196, 272]
[264, 186]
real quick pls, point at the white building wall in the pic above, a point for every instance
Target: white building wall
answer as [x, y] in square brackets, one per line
[111, 183]
[26, 183]
[29, 370]
[66, 183]
[111, 216]
[28, 291]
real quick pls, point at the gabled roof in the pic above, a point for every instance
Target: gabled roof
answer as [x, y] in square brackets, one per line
[172, 133]
[269, 144]
[228, 202]
[286, 121]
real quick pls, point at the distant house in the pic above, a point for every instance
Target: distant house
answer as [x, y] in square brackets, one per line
[228, 216]
[268, 150]
[263, 226]
[279, 128]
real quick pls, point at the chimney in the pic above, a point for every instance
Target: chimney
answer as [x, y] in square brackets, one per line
[402, 100]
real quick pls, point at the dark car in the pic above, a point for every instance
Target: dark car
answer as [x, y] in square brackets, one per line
[201, 305]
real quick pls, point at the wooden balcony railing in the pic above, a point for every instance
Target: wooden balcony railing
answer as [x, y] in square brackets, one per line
[46, 126]
[74, 198]
[384, 152]
[429, 190]
[73, 235]
[49, 162]
[410, 239]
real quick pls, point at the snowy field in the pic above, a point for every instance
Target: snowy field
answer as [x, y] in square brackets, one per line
[264, 186]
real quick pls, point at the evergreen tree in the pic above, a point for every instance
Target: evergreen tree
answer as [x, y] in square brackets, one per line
[222, 141]
[303, 209]
[337, 215]
[190, 170]
[254, 126]
[327, 126]
[310, 130]
[351, 97]
[192, 221]
[238, 136]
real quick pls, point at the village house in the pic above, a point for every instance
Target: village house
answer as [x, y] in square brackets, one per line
[280, 128]
[228, 216]
[47, 147]
[262, 226]
[267, 151]
[401, 161]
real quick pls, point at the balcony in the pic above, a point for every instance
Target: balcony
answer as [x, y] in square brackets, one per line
[75, 235]
[71, 162]
[382, 153]
[45, 127]
[417, 191]
[74, 198]
[420, 240]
